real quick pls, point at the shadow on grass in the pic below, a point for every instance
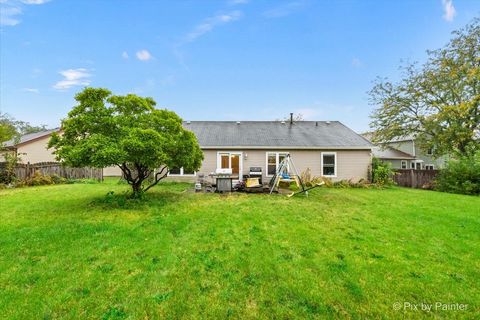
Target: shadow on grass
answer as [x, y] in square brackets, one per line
[125, 201]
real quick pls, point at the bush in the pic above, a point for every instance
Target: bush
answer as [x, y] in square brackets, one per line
[7, 169]
[38, 179]
[461, 176]
[311, 181]
[382, 173]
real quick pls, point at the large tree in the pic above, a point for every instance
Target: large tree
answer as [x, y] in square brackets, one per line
[126, 131]
[11, 128]
[437, 102]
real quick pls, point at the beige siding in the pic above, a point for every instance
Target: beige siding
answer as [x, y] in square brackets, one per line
[113, 171]
[36, 151]
[351, 164]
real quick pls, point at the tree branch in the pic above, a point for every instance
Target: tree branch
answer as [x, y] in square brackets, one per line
[158, 176]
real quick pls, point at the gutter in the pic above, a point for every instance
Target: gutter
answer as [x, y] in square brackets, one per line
[283, 148]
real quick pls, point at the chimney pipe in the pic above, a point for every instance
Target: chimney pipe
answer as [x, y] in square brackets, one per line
[291, 117]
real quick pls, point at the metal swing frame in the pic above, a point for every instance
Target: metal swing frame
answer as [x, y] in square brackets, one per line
[282, 169]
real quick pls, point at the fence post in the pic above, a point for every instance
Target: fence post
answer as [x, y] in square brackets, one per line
[413, 179]
[27, 172]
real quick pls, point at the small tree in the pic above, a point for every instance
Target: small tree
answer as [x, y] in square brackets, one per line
[126, 131]
[382, 173]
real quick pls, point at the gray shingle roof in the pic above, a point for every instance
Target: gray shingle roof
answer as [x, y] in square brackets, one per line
[258, 134]
[28, 137]
[390, 153]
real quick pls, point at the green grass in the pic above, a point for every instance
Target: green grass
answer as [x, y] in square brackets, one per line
[70, 251]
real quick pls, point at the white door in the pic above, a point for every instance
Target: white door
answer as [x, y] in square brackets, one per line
[231, 160]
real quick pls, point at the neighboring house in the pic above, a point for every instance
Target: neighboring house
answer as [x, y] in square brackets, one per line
[32, 147]
[398, 159]
[403, 153]
[327, 148]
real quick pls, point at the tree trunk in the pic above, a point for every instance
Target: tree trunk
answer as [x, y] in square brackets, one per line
[137, 188]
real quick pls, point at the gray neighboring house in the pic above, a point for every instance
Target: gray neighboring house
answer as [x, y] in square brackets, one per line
[327, 148]
[403, 153]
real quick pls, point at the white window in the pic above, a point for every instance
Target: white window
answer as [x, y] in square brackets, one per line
[404, 164]
[429, 167]
[329, 164]
[180, 172]
[273, 161]
[430, 151]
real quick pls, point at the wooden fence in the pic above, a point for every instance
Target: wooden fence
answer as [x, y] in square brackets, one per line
[25, 171]
[415, 178]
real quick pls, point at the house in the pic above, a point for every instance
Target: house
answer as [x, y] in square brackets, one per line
[327, 148]
[403, 153]
[32, 147]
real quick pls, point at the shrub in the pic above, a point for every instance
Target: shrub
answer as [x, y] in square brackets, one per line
[382, 173]
[310, 181]
[461, 176]
[7, 169]
[38, 179]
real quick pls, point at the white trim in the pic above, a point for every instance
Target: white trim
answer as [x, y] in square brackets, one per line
[402, 162]
[430, 165]
[239, 153]
[181, 174]
[277, 160]
[334, 167]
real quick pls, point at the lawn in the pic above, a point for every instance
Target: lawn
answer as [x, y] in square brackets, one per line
[72, 251]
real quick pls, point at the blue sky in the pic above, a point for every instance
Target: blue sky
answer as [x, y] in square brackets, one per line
[216, 60]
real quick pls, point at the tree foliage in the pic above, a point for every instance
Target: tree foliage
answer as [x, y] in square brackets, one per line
[382, 173]
[126, 131]
[437, 102]
[11, 128]
[461, 175]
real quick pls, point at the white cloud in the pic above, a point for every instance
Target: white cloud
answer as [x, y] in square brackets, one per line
[199, 30]
[11, 10]
[143, 55]
[283, 10]
[9, 16]
[449, 10]
[72, 78]
[210, 23]
[235, 2]
[125, 55]
[32, 90]
[35, 1]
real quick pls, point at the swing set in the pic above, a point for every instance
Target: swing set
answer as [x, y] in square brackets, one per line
[283, 174]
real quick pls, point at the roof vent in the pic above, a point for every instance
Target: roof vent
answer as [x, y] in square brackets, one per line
[188, 122]
[327, 122]
[283, 122]
[238, 122]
